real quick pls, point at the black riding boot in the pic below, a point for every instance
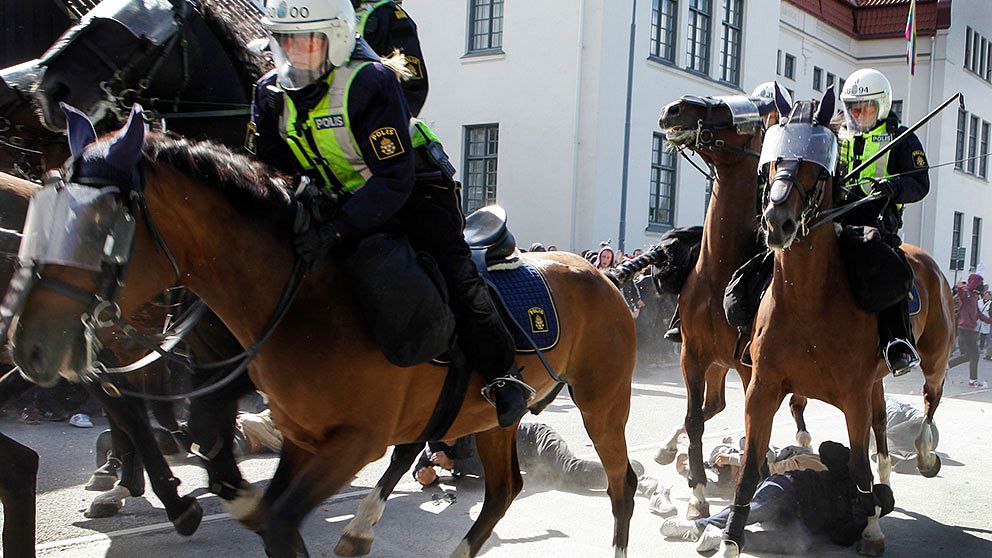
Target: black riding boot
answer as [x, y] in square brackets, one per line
[895, 333]
[674, 333]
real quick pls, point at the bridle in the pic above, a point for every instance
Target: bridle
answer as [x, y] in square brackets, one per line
[22, 142]
[705, 136]
[103, 312]
[786, 171]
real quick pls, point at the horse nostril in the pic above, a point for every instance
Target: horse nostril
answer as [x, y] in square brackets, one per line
[789, 227]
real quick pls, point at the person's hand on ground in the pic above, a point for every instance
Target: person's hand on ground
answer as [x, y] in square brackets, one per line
[442, 460]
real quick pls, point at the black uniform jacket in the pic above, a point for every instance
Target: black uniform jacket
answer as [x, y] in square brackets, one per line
[390, 28]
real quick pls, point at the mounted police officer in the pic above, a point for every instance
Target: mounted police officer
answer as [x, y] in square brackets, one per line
[386, 27]
[334, 113]
[898, 177]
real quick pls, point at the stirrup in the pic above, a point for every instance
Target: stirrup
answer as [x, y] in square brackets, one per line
[502, 381]
[914, 357]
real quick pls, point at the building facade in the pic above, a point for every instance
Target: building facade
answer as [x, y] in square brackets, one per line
[531, 99]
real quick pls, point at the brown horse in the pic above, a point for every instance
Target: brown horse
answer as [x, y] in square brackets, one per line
[811, 337]
[335, 397]
[706, 126]
[26, 147]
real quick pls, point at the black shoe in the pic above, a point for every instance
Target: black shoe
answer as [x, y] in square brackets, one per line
[746, 355]
[674, 335]
[511, 401]
[900, 357]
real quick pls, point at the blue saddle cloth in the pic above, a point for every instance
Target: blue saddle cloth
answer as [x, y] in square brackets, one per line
[914, 300]
[528, 300]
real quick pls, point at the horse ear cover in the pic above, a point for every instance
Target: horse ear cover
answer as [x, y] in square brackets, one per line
[828, 105]
[783, 106]
[79, 129]
[125, 149]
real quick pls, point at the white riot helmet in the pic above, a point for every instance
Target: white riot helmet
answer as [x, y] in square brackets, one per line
[767, 91]
[308, 37]
[866, 100]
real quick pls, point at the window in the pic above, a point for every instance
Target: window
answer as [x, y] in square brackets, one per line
[840, 86]
[976, 240]
[981, 53]
[792, 93]
[663, 14]
[485, 25]
[957, 259]
[983, 155]
[733, 15]
[959, 143]
[897, 109]
[972, 144]
[988, 65]
[698, 47]
[661, 203]
[481, 148]
[790, 66]
[967, 48]
[831, 79]
[975, 46]
[817, 79]
[778, 64]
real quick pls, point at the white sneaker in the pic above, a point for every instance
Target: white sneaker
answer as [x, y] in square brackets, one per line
[647, 486]
[710, 539]
[678, 528]
[661, 503]
[80, 420]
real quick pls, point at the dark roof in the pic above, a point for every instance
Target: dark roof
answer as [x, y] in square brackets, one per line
[879, 19]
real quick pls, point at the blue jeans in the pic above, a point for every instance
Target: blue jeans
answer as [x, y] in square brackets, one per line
[775, 500]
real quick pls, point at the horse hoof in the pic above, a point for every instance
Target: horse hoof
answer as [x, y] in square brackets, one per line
[282, 544]
[928, 472]
[869, 547]
[166, 443]
[665, 456]
[103, 509]
[100, 482]
[189, 521]
[730, 550]
[697, 511]
[350, 545]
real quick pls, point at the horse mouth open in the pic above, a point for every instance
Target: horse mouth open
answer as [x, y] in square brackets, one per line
[677, 136]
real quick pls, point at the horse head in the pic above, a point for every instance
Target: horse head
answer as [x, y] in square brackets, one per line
[158, 52]
[78, 237]
[799, 157]
[717, 128]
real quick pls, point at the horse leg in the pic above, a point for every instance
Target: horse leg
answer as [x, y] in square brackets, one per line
[498, 452]
[760, 404]
[184, 513]
[878, 423]
[797, 406]
[358, 536]
[211, 429]
[927, 460]
[605, 425]
[311, 480]
[18, 486]
[695, 375]
[859, 416]
[120, 475]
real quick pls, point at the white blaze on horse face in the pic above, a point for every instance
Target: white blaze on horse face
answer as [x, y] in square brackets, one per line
[368, 514]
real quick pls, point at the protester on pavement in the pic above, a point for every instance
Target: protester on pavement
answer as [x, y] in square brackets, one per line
[968, 317]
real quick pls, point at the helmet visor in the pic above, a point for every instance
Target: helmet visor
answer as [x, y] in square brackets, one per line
[300, 58]
[861, 115]
[800, 142]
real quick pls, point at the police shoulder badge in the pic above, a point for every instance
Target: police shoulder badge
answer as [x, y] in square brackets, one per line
[250, 139]
[414, 65]
[386, 143]
[919, 159]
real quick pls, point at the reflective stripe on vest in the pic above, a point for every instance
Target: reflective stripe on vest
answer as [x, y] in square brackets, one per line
[323, 141]
[875, 140]
[365, 11]
[421, 134]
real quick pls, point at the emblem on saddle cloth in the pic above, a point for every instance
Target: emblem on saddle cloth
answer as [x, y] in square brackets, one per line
[538, 321]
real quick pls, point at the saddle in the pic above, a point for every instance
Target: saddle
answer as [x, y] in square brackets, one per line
[489, 238]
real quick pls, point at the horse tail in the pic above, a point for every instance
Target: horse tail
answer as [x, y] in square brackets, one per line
[673, 258]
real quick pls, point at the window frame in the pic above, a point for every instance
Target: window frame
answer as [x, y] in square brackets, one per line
[967, 47]
[659, 157]
[983, 146]
[976, 241]
[817, 78]
[956, 232]
[470, 48]
[704, 36]
[973, 143]
[898, 111]
[486, 172]
[789, 68]
[730, 29]
[658, 16]
[961, 138]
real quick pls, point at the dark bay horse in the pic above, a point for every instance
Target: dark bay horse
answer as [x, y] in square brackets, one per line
[811, 337]
[707, 126]
[335, 397]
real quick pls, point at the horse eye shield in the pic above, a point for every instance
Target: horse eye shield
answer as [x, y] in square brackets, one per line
[77, 226]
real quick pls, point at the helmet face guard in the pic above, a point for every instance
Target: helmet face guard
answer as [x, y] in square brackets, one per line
[300, 58]
[309, 39]
[861, 115]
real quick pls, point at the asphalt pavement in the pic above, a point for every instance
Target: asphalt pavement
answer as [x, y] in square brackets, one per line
[946, 516]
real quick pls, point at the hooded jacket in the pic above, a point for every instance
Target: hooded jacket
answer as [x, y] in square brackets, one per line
[970, 297]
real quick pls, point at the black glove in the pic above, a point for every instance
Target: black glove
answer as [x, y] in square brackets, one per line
[315, 242]
[885, 187]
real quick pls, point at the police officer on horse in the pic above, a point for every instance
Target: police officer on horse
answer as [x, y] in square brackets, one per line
[335, 113]
[899, 177]
[387, 27]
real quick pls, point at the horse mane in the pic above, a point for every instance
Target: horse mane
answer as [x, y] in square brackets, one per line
[253, 188]
[235, 23]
